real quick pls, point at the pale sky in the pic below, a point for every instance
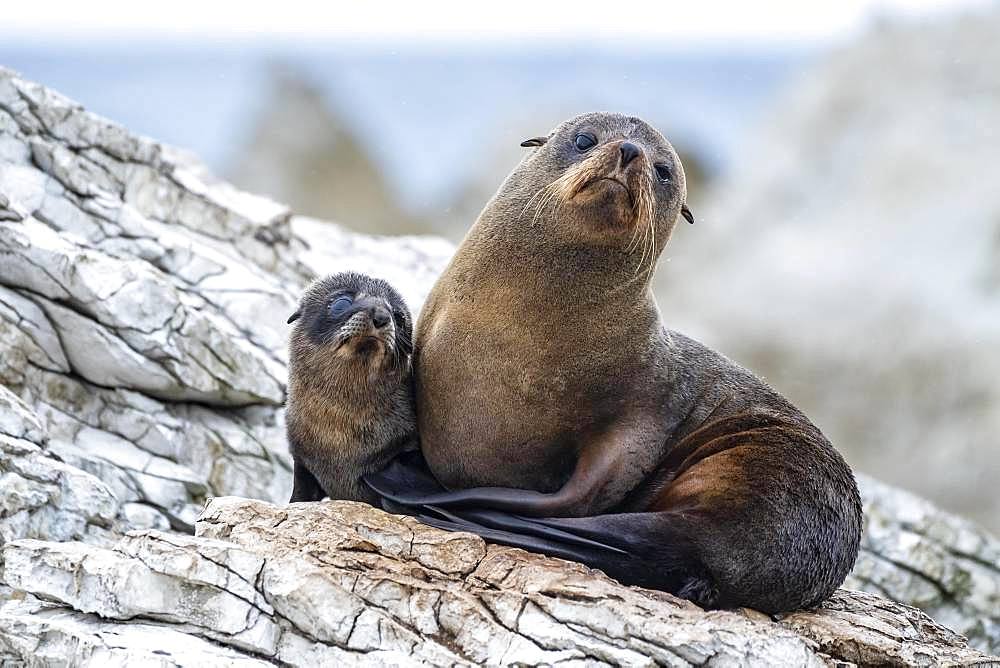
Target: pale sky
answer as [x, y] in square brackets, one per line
[444, 20]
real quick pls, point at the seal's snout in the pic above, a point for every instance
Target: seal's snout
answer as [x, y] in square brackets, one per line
[629, 152]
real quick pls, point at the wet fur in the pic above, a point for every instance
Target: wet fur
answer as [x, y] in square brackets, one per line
[544, 323]
[350, 398]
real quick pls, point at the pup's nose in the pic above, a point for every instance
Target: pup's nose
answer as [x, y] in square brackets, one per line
[380, 317]
[629, 152]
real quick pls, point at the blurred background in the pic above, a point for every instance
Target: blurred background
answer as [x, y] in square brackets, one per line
[842, 161]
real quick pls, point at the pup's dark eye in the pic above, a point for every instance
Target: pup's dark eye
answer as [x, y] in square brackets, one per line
[585, 141]
[663, 172]
[340, 305]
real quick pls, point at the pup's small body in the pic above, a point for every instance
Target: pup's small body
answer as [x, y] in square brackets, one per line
[350, 398]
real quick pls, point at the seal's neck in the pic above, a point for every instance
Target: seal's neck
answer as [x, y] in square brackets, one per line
[579, 274]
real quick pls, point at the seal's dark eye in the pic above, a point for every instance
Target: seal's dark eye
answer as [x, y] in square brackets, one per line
[340, 305]
[663, 172]
[585, 141]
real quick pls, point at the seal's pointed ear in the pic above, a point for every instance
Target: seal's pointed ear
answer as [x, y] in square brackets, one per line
[686, 212]
[534, 141]
[293, 317]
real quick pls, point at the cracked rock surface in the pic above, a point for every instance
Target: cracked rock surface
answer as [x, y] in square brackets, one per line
[142, 365]
[339, 583]
[142, 321]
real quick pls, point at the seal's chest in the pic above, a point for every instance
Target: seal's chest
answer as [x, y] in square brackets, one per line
[565, 382]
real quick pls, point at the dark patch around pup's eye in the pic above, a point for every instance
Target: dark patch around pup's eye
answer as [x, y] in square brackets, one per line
[340, 305]
[585, 141]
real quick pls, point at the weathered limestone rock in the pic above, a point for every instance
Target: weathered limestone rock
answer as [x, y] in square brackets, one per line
[948, 567]
[142, 309]
[39, 634]
[41, 496]
[341, 583]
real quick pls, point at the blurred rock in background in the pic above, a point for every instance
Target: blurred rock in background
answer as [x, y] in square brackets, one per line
[851, 257]
[301, 151]
[325, 139]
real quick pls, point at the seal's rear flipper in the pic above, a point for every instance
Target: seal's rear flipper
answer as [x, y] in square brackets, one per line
[585, 552]
[406, 480]
[640, 554]
[522, 527]
[645, 549]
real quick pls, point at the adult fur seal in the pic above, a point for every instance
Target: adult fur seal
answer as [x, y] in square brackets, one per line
[653, 457]
[350, 398]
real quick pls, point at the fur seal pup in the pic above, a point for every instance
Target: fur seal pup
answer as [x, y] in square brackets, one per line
[583, 418]
[350, 395]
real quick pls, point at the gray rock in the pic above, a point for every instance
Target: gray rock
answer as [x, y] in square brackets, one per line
[40, 634]
[41, 496]
[948, 567]
[142, 309]
[341, 583]
[17, 421]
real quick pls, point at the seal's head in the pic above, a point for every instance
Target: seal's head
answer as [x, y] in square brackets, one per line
[351, 326]
[603, 179]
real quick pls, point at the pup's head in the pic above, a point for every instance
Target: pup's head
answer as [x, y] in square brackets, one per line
[601, 179]
[354, 323]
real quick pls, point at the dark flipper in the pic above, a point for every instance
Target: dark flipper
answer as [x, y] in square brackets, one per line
[593, 555]
[636, 548]
[641, 560]
[407, 486]
[522, 526]
[305, 487]
[408, 481]
[534, 535]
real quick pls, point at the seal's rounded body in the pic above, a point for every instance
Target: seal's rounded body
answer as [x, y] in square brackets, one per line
[350, 397]
[542, 363]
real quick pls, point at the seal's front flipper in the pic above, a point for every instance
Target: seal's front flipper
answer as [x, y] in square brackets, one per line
[408, 481]
[597, 482]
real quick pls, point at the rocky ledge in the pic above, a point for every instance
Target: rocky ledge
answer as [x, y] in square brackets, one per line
[142, 309]
[339, 583]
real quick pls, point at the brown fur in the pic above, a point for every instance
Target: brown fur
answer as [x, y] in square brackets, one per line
[542, 293]
[545, 325]
[350, 405]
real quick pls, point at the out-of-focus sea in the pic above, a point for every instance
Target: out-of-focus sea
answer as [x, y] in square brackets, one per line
[422, 109]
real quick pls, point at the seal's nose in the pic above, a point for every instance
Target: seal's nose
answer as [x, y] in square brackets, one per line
[629, 152]
[380, 317]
